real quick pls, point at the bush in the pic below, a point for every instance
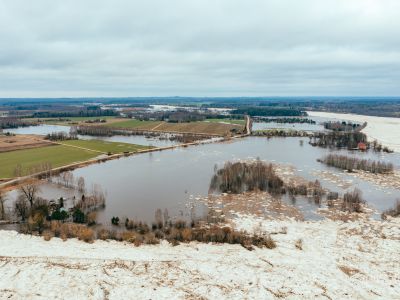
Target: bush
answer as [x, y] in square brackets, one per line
[128, 236]
[115, 221]
[59, 215]
[47, 235]
[78, 216]
[103, 234]
[91, 218]
[352, 201]
[393, 212]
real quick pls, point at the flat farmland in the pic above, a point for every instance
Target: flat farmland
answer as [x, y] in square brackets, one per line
[134, 124]
[104, 146]
[18, 142]
[227, 121]
[208, 128]
[57, 155]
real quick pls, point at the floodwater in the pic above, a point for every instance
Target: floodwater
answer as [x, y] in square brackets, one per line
[175, 179]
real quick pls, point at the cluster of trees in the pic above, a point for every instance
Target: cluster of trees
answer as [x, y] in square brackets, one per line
[89, 111]
[105, 131]
[353, 163]
[349, 140]
[268, 111]
[38, 211]
[61, 136]
[178, 231]
[311, 189]
[12, 122]
[343, 126]
[280, 133]
[239, 177]
[286, 120]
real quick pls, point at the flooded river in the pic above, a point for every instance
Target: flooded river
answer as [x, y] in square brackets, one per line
[175, 179]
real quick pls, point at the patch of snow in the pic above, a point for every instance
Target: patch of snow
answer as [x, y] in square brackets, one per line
[31, 268]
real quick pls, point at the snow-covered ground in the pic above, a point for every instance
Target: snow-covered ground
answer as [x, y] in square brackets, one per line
[385, 130]
[355, 260]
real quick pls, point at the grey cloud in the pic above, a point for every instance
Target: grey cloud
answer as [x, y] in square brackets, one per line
[199, 47]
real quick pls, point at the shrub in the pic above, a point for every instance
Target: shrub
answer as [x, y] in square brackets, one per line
[299, 244]
[47, 235]
[103, 234]
[85, 234]
[91, 218]
[115, 221]
[352, 201]
[150, 239]
[393, 212]
[59, 215]
[128, 236]
[78, 216]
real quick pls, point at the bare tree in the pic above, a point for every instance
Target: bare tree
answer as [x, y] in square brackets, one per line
[3, 199]
[21, 207]
[29, 192]
[81, 185]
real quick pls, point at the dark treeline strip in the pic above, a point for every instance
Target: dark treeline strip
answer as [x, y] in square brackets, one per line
[285, 120]
[95, 112]
[10, 122]
[280, 133]
[61, 136]
[352, 163]
[269, 111]
[344, 126]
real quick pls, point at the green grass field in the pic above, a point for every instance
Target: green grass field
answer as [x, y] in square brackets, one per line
[148, 125]
[104, 146]
[230, 121]
[57, 155]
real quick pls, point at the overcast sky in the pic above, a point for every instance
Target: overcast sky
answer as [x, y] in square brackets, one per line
[77, 48]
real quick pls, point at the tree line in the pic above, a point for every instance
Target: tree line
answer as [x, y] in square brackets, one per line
[353, 163]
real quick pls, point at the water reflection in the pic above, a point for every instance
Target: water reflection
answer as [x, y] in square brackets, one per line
[175, 179]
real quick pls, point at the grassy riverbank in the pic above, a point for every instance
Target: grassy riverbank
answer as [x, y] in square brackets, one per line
[57, 155]
[104, 146]
[66, 153]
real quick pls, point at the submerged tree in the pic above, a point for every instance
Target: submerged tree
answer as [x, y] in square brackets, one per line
[3, 199]
[246, 176]
[29, 192]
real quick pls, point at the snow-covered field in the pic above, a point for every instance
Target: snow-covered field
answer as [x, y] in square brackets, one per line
[355, 260]
[385, 130]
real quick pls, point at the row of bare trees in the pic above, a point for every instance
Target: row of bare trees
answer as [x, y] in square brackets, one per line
[243, 176]
[353, 163]
[45, 168]
[12, 122]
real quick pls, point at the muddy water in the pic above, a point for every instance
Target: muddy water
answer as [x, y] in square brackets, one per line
[136, 186]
